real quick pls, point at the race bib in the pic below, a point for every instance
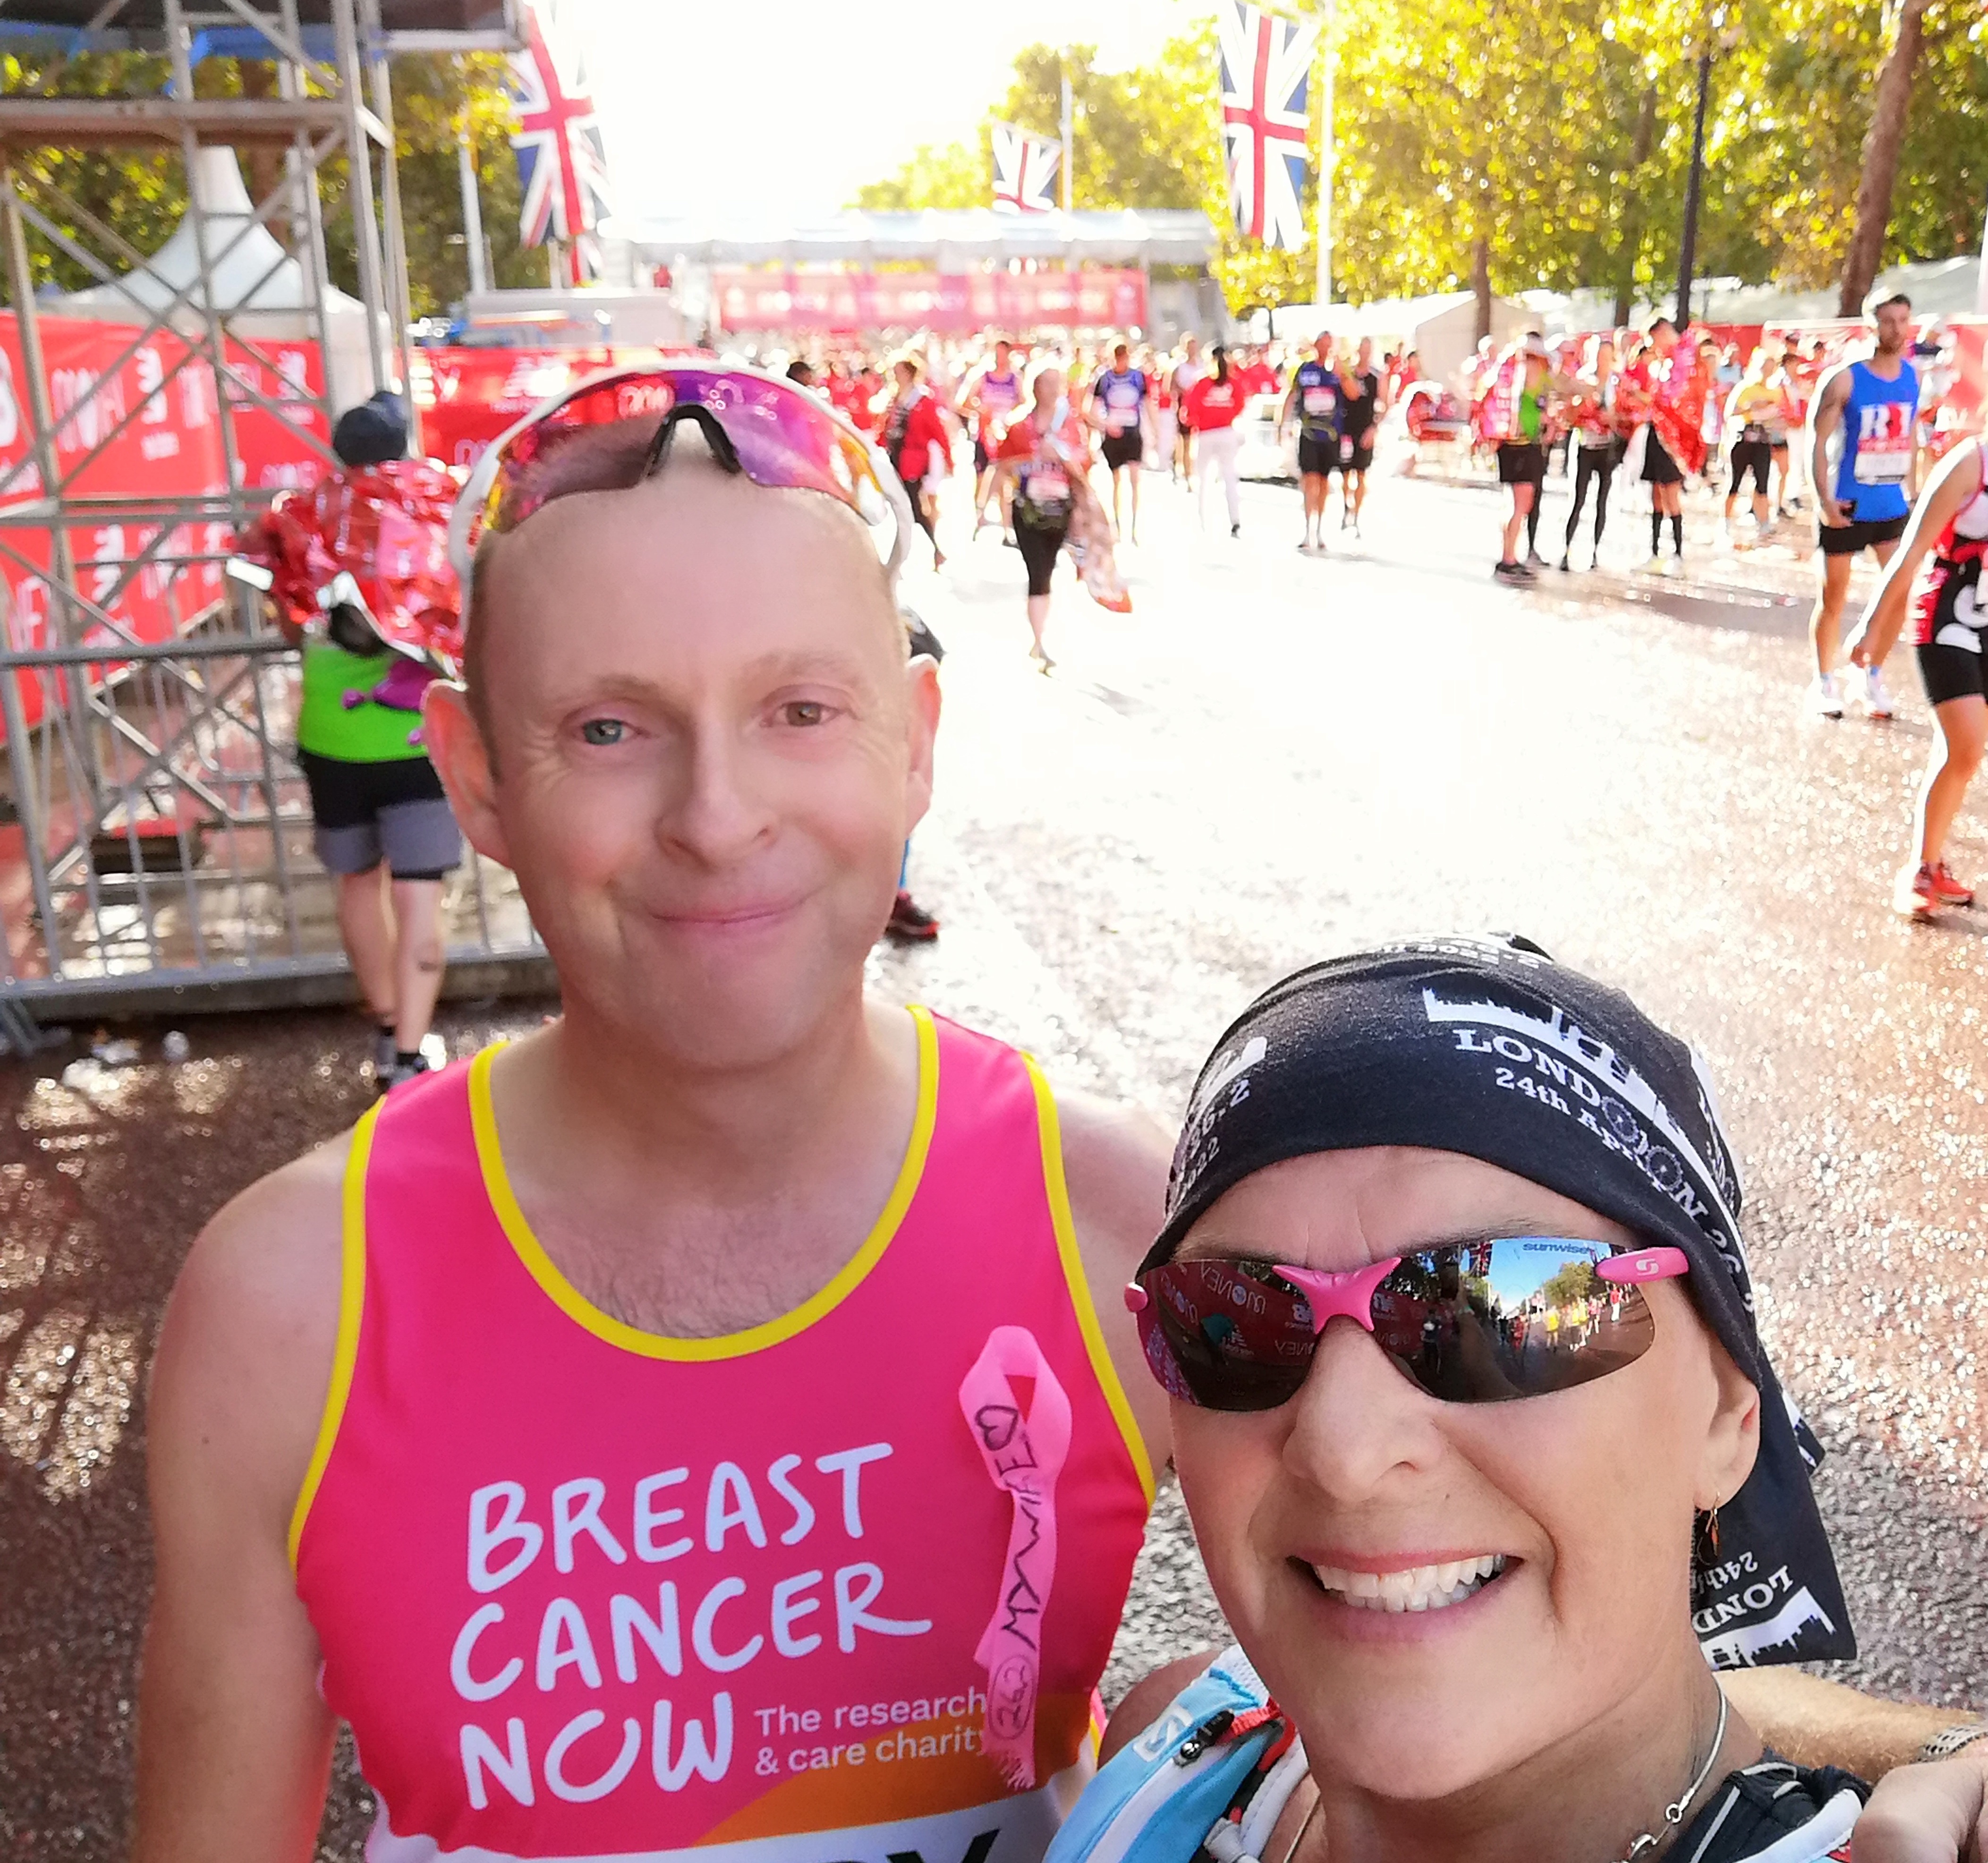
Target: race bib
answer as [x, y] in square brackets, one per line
[1885, 445]
[1048, 489]
[1345, 446]
[1320, 400]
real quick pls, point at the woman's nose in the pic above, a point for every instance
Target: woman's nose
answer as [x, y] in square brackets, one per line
[1356, 1418]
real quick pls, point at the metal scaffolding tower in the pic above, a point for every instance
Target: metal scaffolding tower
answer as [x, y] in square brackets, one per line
[159, 848]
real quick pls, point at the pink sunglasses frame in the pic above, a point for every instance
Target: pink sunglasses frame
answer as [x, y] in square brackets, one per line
[1350, 1295]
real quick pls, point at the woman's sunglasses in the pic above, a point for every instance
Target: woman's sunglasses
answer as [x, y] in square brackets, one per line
[763, 426]
[1484, 1322]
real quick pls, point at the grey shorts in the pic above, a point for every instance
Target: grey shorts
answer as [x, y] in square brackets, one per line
[366, 813]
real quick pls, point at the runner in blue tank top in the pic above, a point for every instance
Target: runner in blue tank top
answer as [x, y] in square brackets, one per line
[1863, 499]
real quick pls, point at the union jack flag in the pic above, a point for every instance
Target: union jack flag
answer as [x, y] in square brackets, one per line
[1025, 170]
[562, 166]
[1265, 113]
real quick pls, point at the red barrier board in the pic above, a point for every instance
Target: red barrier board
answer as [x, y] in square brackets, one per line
[158, 401]
[953, 304]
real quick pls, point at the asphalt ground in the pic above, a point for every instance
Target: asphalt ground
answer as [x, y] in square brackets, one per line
[1271, 759]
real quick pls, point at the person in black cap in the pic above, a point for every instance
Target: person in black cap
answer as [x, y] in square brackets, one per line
[1485, 1576]
[371, 640]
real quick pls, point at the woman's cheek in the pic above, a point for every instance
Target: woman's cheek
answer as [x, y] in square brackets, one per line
[1226, 1469]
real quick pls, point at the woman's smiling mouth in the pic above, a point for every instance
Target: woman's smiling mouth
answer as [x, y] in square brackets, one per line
[1415, 1587]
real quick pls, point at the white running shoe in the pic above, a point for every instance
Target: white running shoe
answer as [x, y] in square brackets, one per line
[1824, 701]
[1866, 687]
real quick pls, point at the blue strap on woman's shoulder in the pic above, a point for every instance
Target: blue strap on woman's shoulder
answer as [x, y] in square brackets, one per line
[1156, 1799]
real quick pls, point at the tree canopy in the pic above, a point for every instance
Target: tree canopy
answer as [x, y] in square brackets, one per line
[1544, 141]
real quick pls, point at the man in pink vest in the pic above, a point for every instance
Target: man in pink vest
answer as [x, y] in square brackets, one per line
[710, 1420]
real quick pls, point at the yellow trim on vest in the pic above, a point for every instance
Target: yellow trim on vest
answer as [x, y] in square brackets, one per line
[578, 1307]
[1101, 1365]
[351, 1305]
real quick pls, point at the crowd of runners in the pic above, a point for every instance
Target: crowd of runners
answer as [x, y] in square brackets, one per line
[1809, 448]
[1860, 441]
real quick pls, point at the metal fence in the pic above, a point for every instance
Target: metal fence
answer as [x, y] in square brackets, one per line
[155, 834]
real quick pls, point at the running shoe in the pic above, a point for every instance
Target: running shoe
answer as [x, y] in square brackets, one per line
[1655, 565]
[1534, 560]
[1236, 530]
[1043, 661]
[1950, 891]
[382, 1050]
[432, 1059]
[1824, 701]
[910, 923]
[1866, 687]
[1917, 895]
[1511, 572]
[1673, 568]
[1564, 565]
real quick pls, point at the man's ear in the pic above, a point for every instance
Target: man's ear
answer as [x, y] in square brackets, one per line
[921, 732]
[1733, 1441]
[462, 760]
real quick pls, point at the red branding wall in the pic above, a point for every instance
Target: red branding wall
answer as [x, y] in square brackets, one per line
[170, 444]
[948, 303]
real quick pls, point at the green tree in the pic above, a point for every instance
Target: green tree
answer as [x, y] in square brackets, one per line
[1503, 145]
[954, 176]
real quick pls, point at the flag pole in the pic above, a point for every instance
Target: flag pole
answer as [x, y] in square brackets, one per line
[472, 207]
[1327, 154]
[1065, 141]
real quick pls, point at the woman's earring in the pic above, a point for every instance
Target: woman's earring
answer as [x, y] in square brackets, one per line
[1708, 1527]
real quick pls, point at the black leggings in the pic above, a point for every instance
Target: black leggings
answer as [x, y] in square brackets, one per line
[914, 491]
[1039, 546]
[1592, 462]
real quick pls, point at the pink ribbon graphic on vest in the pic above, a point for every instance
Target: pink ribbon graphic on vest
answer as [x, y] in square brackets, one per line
[1024, 1455]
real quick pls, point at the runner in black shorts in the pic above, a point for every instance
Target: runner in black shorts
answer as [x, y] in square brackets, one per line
[1120, 398]
[1948, 534]
[1319, 401]
[1361, 390]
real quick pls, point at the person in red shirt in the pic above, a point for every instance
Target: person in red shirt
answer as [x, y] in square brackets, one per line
[915, 442]
[1212, 406]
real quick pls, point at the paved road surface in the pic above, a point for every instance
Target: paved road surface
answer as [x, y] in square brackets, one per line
[1272, 759]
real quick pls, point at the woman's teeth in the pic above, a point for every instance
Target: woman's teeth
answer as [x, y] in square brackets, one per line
[1420, 1588]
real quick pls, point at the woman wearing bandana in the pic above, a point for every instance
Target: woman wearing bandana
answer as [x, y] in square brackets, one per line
[1479, 1586]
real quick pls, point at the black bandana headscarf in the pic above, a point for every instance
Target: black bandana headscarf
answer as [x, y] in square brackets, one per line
[1426, 1043]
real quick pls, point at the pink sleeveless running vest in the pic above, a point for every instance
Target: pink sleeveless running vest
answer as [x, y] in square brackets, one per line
[584, 1592]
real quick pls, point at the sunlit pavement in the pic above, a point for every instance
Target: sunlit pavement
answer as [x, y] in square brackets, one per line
[1271, 759]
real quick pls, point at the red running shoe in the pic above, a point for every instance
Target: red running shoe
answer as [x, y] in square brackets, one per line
[1949, 890]
[1915, 896]
[910, 923]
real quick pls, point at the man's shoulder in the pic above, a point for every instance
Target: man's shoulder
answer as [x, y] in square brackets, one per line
[1116, 1159]
[262, 1282]
[244, 1353]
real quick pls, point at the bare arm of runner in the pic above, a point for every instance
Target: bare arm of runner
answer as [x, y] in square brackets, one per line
[1290, 401]
[1824, 417]
[1927, 1814]
[1115, 1161]
[1955, 480]
[234, 1740]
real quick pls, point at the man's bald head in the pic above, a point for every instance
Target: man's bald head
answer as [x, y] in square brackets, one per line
[592, 513]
